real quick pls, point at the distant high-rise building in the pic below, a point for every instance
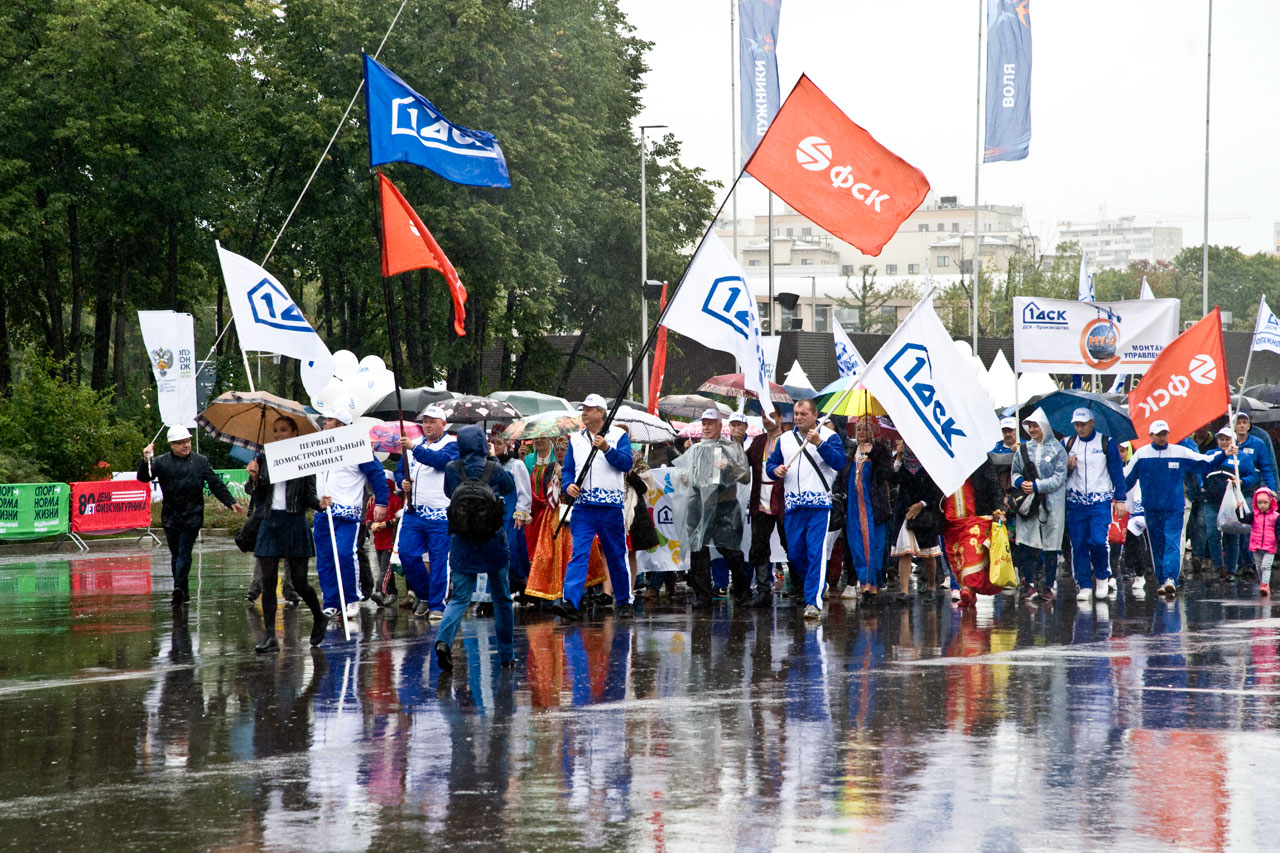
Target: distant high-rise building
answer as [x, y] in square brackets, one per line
[1116, 243]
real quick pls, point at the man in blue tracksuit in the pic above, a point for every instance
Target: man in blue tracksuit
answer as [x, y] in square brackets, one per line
[597, 507]
[807, 460]
[1160, 468]
[1095, 481]
[425, 528]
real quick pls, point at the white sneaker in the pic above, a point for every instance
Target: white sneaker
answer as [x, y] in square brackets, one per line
[1169, 588]
[1111, 585]
[850, 591]
[955, 594]
[330, 612]
[1084, 593]
[1101, 589]
[353, 609]
[368, 604]
[811, 612]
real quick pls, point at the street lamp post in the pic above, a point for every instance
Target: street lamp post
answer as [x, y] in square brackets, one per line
[644, 260]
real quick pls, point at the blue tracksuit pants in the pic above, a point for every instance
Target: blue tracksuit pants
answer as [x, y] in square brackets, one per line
[344, 531]
[1165, 529]
[1087, 526]
[420, 536]
[806, 543]
[605, 523]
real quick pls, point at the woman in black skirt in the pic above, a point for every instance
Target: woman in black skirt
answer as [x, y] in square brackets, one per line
[284, 534]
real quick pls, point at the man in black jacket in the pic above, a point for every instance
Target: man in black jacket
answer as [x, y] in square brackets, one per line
[182, 474]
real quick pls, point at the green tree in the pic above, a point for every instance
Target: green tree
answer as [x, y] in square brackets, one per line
[867, 297]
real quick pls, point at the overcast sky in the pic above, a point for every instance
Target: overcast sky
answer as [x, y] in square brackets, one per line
[1117, 101]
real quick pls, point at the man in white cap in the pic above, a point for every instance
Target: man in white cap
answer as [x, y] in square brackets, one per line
[342, 489]
[1160, 468]
[710, 473]
[425, 527]
[807, 460]
[597, 506]
[738, 428]
[1095, 483]
[1008, 436]
[183, 474]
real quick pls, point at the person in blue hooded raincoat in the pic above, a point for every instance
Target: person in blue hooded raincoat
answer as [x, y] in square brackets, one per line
[468, 558]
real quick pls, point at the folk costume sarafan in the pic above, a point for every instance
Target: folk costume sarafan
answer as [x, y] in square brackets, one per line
[968, 531]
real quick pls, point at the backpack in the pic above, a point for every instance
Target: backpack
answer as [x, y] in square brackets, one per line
[475, 511]
[1071, 442]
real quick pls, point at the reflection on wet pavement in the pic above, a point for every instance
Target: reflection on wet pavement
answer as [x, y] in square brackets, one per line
[1147, 724]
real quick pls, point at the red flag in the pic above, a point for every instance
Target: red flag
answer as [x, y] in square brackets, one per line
[1186, 385]
[834, 172]
[659, 358]
[408, 245]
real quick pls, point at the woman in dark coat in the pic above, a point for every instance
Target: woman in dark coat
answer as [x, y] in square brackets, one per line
[284, 535]
[919, 509]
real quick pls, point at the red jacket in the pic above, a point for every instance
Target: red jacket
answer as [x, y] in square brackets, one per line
[385, 538]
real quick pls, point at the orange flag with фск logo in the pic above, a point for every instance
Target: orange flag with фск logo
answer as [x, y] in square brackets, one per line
[1186, 385]
[408, 245]
[829, 169]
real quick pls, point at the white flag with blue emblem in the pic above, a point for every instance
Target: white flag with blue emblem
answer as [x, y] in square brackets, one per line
[935, 399]
[1084, 287]
[714, 307]
[1266, 331]
[268, 320]
[849, 361]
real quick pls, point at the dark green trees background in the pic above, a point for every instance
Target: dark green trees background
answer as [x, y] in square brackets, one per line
[133, 133]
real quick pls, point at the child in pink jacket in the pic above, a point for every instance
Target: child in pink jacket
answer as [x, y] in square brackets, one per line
[1264, 534]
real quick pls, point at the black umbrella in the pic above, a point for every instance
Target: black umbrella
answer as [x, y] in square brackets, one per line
[414, 400]
[474, 410]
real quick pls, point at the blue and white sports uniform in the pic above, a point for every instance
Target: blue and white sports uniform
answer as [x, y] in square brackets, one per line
[1096, 480]
[807, 502]
[345, 486]
[1162, 472]
[425, 526]
[597, 512]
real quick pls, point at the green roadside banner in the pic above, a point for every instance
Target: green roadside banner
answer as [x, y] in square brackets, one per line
[236, 479]
[34, 510]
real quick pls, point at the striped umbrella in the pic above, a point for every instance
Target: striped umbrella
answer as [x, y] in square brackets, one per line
[244, 418]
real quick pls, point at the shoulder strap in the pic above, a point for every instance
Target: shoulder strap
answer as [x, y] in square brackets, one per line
[1071, 442]
[805, 451]
[489, 465]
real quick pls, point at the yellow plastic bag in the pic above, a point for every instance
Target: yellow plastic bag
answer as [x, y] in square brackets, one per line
[1002, 572]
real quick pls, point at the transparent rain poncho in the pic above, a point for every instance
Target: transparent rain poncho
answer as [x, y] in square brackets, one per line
[707, 487]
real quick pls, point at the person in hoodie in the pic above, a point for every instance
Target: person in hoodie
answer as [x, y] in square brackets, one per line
[468, 558]
[1159, 468]
[1041, 470]
[1095, 485]
[1264, 523]
[1224, 548]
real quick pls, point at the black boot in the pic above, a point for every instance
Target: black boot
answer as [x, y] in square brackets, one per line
[268, 644]
[763, 595]
[444, 657]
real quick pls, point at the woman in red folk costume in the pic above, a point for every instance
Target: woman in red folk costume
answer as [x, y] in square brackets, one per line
[968, 514]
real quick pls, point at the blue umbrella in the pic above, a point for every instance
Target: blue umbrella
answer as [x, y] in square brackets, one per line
[1109, 418]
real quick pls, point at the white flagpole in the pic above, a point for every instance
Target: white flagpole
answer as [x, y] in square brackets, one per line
[337, 565]
[977, 168]
[1244, 380]
[1204, 249]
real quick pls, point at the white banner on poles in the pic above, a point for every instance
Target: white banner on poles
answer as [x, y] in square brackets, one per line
[1063, 336]
[317, 452]
[170, 339]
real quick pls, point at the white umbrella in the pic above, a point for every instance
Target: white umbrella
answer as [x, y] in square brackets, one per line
[643, 427]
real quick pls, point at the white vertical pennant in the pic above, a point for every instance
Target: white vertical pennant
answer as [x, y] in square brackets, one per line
[170, 339]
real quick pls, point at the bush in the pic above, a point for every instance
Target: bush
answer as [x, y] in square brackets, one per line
[61, 429]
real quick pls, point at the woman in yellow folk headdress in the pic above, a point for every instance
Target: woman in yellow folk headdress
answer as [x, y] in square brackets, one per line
[549, 556]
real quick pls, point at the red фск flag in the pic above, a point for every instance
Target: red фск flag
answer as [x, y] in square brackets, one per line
[829, 169]
[1186, 385]
[408, 245]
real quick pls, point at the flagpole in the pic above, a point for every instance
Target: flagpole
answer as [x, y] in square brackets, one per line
[1244, 380]
[566, 499]
[733, 117]
[977, 169]
[393, 334]
[1204, 248]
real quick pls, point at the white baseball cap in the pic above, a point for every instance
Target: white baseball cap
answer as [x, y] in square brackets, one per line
[1158, 427]
[1227, 432]
[737, 418]
[1008, 423]
[595, 401]
[178, 433]
[1081, 416]
[712, 415]
[338, 413]
[433, 411]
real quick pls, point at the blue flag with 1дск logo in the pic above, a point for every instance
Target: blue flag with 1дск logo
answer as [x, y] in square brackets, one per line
[406, 127]
[936, 402]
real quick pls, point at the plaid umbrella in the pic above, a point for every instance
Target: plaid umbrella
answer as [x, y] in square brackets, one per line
[545, 425]
[642, 427]
[475, 410]
[734, 385]
[244, 418]
[694, 430]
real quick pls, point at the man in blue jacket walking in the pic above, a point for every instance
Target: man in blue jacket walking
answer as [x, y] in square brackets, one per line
[1095, 482]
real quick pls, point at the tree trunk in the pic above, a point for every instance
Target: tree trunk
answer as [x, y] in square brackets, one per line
[52, 296]
[506, 370]
[101, 332]
[222, 342]
[122, 293]
[569, 363]
[6, 373]
[326, 304]
[77, 287]
[344, 310]
[171, 262]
